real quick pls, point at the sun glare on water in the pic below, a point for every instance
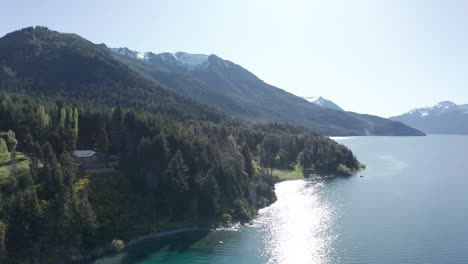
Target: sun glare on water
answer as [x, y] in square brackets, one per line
[297, 229]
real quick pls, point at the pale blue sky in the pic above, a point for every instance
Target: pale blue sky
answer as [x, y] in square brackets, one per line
[369, 56]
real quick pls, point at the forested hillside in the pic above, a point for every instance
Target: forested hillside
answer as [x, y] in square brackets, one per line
[44, 63]
[171, 173]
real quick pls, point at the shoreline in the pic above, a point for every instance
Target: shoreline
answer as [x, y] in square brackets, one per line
[134, 242]
[139, 239]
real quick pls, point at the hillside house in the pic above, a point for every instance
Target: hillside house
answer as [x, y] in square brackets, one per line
[93, 163]
[85, 156]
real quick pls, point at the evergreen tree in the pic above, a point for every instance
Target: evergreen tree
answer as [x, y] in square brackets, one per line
[208, 192]
[3, 232]
[102, 141]
[62, 117]
[178, 183]
[4, 153]
[116, 130]
[49, 157]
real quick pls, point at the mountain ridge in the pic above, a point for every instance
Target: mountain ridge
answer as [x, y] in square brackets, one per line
[234, 90]
[445, 117]
[52, 64]
[45, 63]
[320, 101]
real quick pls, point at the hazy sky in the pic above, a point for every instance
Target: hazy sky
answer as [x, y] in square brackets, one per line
[376, 57]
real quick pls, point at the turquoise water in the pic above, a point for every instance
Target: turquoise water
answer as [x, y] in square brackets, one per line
[410, 207]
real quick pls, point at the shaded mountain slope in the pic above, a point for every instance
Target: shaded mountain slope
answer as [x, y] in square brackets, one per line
[234, 90]
[40, 62]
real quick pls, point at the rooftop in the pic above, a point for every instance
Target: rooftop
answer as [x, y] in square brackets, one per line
[84, 153]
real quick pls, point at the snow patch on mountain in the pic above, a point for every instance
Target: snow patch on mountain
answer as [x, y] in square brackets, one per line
[443, 118]
[446, 106]
[320, 101]
[441, 108]
[188, 61]
[130, 53]
[191, 61]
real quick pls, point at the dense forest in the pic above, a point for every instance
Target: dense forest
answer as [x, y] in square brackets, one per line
[172, 173]
[169, 162]
[43, 63]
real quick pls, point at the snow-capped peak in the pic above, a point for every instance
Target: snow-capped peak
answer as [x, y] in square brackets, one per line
[446, 106]
[315, 99]
[129, 53]
[320, 101]
[191, 61]
[437, 110]
[186, 61]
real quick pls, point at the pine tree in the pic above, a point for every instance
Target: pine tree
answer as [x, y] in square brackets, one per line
[177, 173]
[178, 184]
[116, 130]
[208, 192]
[49, 157]
[38, 154]
[248, 161]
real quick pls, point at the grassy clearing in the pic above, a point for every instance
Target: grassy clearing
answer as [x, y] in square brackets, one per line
[284, 175]
[23, 162]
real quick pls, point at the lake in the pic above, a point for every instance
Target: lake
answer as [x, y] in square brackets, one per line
[411, 206]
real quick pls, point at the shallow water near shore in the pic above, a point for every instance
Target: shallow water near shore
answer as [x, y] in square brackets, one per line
[410, 207]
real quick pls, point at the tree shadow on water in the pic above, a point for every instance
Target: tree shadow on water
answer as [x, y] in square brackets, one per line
[176, 243]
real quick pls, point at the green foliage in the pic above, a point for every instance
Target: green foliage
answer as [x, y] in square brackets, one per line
[102, 143]
[63, 114]
[47, 63]
[3, 231]
[10, 139]
[170, 171]
[177, 174]
[42, 117]
[283, 175]
[4, 153]
[23, 162]
[209, 193]
[227, 218]
[117, 245]
[344, 170]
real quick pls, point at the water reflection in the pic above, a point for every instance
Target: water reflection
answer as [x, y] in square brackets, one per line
[296, 229]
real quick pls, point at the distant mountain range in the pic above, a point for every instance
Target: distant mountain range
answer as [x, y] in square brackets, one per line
[443, 118]
[45, 63]
[320, 101]
[234, 90]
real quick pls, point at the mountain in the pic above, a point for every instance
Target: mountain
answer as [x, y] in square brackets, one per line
[234, 90]
[45, 63]
[443, 118]
[320, 101]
